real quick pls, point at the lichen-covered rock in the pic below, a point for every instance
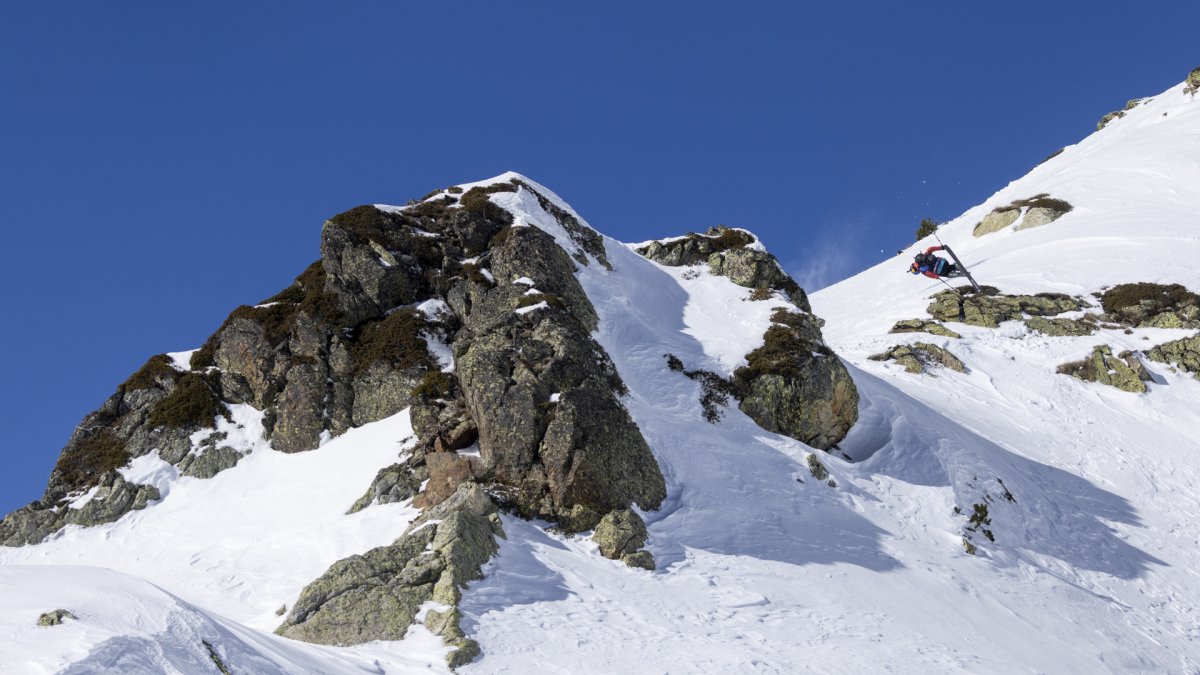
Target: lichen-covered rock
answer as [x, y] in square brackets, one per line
[919, 356]
[376, 595]
[210, 462]
[584, 449]
[923, 326]
[1193, 82]
[1104, 121]
[795, 385]
[640, 559]
[1061, 327]
[1038, 216]
[620, 533]
[1105, 368]
[392, 484]
[382, 391]
[1183, 353]
[995, 221]
[300, 409]
[728, 252]
[111, 498]
[988, 310]
[55, 617]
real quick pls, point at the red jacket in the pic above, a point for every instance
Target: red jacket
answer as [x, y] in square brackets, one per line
[927, 269]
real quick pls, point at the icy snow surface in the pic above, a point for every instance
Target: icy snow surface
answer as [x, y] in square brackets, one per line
[761, 568]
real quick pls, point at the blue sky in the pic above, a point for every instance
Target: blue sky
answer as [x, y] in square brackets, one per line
[164, 163]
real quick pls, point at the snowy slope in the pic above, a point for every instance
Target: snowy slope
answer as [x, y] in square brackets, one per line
[762, 568]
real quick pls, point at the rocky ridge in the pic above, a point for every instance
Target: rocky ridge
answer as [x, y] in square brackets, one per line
[457, 309]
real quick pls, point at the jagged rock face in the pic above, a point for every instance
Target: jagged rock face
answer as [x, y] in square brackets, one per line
[1193, 82]
[920, 356]
[1184, 353]
[795, 385]
[988, 310]
[1125, 372]
[581, 448]
[726, 252]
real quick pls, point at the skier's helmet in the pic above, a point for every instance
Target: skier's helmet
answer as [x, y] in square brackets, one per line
[913, 269]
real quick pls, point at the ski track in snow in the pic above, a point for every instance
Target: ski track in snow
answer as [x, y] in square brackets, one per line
[761, 568]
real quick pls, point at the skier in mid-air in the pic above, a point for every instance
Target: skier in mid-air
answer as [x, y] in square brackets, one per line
[932, 266]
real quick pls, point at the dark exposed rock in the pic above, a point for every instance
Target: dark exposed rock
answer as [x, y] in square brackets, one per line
[1184, 353]
[989, 310]
[509, 364]
[922, 326]
[919, 356]
[300, 408]
[726, 251]
[1192, 84]
[55, 617]
[795, 385]
[1124, 373]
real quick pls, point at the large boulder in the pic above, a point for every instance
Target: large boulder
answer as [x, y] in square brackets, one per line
[995, 221]
[795, 385]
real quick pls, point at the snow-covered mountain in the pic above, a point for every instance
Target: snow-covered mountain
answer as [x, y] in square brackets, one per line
[983, 513]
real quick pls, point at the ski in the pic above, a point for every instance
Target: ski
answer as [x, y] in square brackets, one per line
[962, 267]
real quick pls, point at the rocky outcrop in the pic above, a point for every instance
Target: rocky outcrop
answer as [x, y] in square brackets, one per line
[55, 617]
[620, 535]
[1061, 327]
[995, 221]
[111, 498]
[579, 448]
[1183, 353]
[378, 595]
[1125, 372]
[1033, 212]
[392, 484]
[795, 385]
[990, 308]
[923, 326]
[1148, 305]
[731, 253]
[919, 357]
[1192, 84]
[1118, 114]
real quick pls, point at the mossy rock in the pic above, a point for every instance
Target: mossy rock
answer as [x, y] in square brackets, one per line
[1183, 353]
[989, 310]
[192, 404]
[1124, 373]
[1152, 305]
[923, 326]
[920, 356]
[1061, 327]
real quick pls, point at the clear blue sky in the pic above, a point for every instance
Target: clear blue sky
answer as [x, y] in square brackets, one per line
[164, 162]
